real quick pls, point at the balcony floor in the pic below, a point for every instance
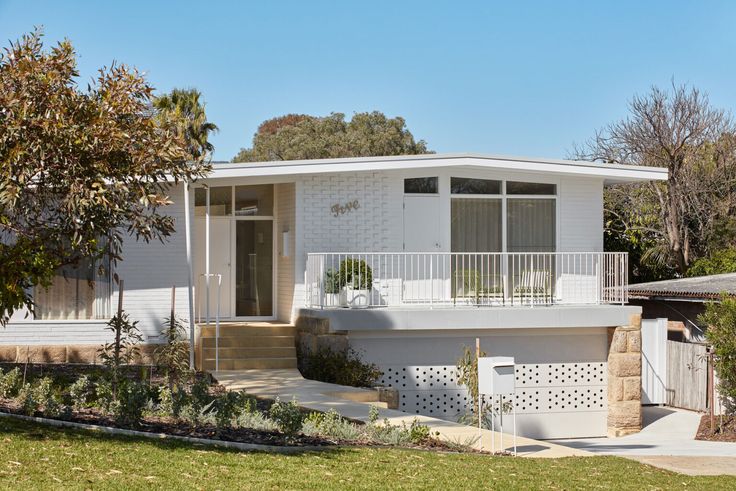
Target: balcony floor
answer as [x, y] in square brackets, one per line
[424, 317]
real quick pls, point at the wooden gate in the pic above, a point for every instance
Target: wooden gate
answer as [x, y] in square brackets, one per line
[687, 376]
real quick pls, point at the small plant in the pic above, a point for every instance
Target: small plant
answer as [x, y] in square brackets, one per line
[122, 349]
[43, 396]
[103, 394]
[27, 400]
[132, 400]
[331, 282]
[331, 425]
[343, 368]
[418, 432]
[81, 392]
[226, 408]
[467, 375]
[356, 274]
[255, 420]
[287, 416]
[171, 402]
[173, 355]
[373, 415]
[11, 383]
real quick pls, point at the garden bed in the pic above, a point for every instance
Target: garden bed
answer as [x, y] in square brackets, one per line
[725, 429]
[199, 409]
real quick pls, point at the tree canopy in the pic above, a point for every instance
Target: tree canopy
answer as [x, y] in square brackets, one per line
[669, 225]
[81, 168]
[300, 136]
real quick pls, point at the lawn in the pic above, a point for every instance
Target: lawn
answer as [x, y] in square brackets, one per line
[40, 457]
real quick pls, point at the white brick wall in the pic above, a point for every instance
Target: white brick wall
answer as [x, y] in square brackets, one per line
[285, 221]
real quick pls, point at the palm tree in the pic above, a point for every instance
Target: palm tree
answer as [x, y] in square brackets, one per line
[184, 107]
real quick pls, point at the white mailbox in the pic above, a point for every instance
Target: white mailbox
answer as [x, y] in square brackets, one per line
[496, 375]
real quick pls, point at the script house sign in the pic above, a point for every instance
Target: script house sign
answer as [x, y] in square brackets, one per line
[337, 209]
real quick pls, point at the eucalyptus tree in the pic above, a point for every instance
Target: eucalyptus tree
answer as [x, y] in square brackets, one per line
[82, 169]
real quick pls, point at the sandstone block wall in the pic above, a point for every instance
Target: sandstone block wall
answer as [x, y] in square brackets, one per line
[624, 378]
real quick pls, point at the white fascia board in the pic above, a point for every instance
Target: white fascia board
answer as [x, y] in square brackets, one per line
[610, 172]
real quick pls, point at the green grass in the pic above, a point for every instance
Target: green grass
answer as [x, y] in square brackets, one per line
[40, 457]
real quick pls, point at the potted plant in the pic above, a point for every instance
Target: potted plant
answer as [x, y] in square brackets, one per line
[331, 288]
[356, 278]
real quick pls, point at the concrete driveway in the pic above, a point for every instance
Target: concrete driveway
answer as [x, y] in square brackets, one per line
[668, 441]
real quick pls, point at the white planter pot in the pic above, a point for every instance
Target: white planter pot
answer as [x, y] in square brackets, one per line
[356, 299]
[332, 300]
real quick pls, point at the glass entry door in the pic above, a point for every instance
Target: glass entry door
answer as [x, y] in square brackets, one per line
[253, 268]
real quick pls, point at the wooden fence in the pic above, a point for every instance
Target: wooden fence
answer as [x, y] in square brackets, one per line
[687, 376]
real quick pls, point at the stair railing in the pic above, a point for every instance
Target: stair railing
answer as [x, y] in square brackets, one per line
[207, 277]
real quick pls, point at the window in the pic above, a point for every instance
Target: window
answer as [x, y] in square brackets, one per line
[463, 185]
[254, 200]
[476, 225]
[221, 201]
[421, 185]
[516, 187]
[76, 292]
[530, 225]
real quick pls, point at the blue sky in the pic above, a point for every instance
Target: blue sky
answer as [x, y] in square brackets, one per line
[522, 78]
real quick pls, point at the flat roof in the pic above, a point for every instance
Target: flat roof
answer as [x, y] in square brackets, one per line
[698, 287]
[612, 173]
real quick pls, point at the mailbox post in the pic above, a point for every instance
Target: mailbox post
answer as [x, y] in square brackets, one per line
[496, 378]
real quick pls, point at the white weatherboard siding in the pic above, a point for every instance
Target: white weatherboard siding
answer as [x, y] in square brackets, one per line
[285, 221]
[580, 215]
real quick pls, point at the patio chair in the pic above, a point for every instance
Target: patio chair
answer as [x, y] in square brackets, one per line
[532, 285]
[470, 284]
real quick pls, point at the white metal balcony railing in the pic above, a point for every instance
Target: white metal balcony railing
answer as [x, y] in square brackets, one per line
[404, 279]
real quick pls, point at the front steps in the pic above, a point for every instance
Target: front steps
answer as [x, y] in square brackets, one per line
[247, 345]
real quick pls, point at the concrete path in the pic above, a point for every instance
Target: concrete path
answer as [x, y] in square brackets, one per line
[668, 441]
[320, 396]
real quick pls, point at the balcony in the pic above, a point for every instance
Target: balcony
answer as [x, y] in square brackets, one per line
[405, 280]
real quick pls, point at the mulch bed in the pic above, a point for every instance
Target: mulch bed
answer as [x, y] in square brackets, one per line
[151, 424]
[725, 429]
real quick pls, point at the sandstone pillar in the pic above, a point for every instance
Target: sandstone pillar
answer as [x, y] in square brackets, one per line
[624, 378]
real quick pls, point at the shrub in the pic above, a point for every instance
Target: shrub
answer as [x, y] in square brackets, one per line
[331, 425]
[287, 416]
[333, 367]
[720, 317]
[418, 432]
[132, 400]
[27, 400]
[255, 420]
[122, 349]
[103, 394]
[173, 355]
[227, 407]
[719, 262]
[171, 402]
[331, 282]
[10, 383]
[44, 396]
[355, 273]
[81, 392]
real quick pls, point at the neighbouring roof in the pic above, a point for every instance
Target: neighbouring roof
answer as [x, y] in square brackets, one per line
[697, 288]
[612, 173]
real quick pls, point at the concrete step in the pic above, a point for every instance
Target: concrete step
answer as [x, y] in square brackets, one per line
[234, 353]
[244, 364]
[249, 342]
[240, 330]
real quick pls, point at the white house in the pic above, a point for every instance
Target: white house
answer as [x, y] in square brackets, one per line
[444, 248]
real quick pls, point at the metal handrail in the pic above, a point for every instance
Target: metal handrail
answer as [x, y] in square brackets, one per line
[207, 314]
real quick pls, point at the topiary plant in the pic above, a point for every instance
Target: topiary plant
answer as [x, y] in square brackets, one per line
[356, 274]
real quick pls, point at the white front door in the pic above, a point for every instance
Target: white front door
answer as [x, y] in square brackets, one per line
[422, 224]
[425, 277]
[220, 263]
